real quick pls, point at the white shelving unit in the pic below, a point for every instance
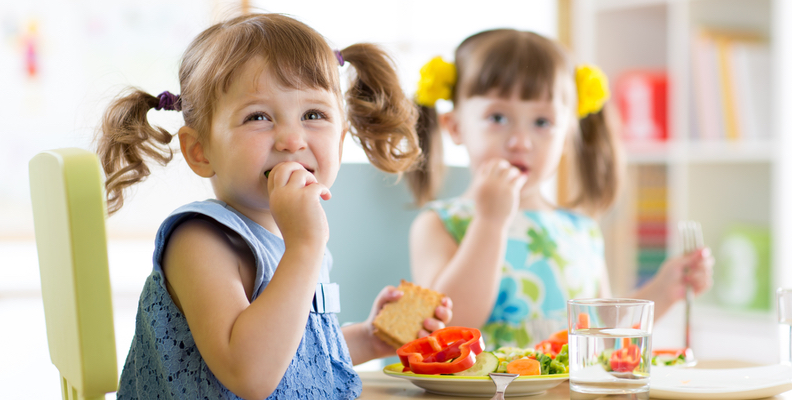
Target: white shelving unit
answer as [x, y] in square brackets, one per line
[718, 183]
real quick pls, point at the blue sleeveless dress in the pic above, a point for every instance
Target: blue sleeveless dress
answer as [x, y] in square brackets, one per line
[163, 361]
[551, 257]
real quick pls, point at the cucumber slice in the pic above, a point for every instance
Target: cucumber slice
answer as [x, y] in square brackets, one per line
[486, 362]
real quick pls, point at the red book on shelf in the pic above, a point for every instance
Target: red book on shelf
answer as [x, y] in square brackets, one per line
[652, 228]
[641, 98]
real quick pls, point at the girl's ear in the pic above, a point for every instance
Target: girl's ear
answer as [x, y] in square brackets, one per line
[450, 123]
[194, 152]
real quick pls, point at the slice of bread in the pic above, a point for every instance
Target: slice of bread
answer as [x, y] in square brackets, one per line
[400, 321]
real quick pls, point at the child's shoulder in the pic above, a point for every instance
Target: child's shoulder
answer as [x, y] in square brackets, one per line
[455, 214]
[580, 223]
[568, 217]
[215, 211]
[574, 216]
[453, 206]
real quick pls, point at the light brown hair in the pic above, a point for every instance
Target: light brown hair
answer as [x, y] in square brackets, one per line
[508, 61]
[382, 118]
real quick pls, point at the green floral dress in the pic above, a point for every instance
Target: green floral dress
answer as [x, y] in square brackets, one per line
[551, 257]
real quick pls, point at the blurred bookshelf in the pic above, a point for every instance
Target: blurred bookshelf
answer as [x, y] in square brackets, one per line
[703, 93]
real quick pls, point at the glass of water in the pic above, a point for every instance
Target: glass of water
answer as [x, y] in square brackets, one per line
[785, 324]
[610, 347]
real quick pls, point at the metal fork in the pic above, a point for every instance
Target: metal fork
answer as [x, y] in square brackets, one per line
[501, 381]
[692, 239]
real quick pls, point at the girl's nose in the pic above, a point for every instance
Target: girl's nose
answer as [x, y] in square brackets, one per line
[519, 140]
[290, 139]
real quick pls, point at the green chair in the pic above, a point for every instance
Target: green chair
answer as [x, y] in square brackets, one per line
[66, 188]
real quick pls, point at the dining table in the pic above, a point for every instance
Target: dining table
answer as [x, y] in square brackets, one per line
[379, 386]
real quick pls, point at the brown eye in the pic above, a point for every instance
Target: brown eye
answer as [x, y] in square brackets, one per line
[257, 116]
[313, 115]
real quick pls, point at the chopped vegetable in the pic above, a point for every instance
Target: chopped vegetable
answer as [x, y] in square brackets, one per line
[557, 368]
[563, 355]
[560, 336]
[502, 366]
[544, 362]
[626, 359]
[486, 362]
[584, 321]
[550, 347]
[604, 359]
[669, 357]
[449, 353]
[547, 365]
[524, 366]
[445, 351]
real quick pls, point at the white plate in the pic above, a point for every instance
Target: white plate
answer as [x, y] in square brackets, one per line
[476, 386]
[721, 384]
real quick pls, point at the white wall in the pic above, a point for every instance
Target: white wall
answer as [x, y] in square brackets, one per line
[89, 50]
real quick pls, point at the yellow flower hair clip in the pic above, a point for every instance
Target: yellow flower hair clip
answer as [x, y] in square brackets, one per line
[592, 89]
[437, 82]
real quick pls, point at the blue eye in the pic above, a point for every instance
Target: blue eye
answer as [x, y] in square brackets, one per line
[498, 118]
[257, 116]
[314, 115]
[543, 123]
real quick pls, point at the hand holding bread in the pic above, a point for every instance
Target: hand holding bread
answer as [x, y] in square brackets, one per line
[416, 313]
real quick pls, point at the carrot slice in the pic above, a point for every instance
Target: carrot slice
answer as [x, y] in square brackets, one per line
[584, 321]
[524, 366]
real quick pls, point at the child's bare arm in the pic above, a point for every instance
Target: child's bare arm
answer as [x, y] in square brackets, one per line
[468, 273]
[248, 346]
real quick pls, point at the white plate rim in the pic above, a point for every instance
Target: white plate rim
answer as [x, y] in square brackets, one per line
[746, 392]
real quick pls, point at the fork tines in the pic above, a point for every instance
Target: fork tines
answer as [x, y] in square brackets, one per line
[691, 236]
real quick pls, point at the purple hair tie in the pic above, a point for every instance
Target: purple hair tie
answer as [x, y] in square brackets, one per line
[168, 101]
[339, 57]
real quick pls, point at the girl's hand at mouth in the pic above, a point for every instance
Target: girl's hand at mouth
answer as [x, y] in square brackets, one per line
[496, 190]
[294, 195]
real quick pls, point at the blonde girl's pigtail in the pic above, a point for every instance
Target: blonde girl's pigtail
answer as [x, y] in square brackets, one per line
[127, 139]
[597, 149]
[438, 79]
[382, 117]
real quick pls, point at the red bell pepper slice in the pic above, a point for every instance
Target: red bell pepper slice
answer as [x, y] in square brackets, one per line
[449, 353]
[552, 346]
[430, 354]
[626, 359]
[671, 352]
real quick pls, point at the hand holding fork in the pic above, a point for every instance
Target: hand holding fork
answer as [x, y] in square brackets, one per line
[692, 240]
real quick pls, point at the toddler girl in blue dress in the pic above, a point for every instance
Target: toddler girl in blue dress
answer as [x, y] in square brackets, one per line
[240, 303]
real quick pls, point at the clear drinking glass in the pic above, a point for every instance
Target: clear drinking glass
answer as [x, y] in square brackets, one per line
[610, 347]
[785, 324]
